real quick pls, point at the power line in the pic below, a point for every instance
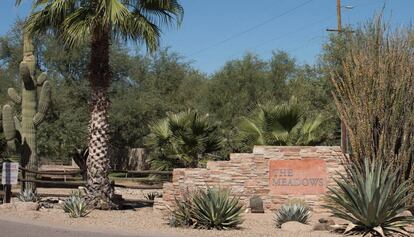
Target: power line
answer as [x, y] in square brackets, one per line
[251, 28]
[287, 34]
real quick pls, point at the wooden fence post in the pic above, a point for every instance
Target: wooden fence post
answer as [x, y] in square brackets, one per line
[7, 193]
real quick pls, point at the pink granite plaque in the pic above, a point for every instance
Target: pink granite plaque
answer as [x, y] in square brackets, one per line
[297, 177]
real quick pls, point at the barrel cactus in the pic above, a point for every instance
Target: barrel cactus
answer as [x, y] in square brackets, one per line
[34, 99]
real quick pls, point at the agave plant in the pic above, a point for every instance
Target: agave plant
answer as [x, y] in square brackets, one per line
[212, 208]
[281, 124]
[182, 140]
[371, 200]
[76, 206]
[152, 195]
[294, 210]
[28, 195]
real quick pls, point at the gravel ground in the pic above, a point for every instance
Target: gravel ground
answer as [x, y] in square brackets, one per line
[147, 221]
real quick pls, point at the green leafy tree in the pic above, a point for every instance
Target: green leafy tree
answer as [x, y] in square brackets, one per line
[283, 125]
[185, 139]
[97, 22]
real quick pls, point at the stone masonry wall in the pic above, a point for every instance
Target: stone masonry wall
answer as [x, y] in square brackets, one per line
[247, 174]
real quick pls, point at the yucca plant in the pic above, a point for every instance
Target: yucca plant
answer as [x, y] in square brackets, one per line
[76, 206]
[28, 195]
[211, 208]
[371, 199]
[294, 210]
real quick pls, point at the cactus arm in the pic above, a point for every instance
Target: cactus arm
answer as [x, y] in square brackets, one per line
[41, 79]
[26, 77]
[8, 127]
[1, 120]
[44, 102]
[16, 98]
[17, 124]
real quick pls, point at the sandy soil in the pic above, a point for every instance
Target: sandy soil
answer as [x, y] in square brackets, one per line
[145, 220]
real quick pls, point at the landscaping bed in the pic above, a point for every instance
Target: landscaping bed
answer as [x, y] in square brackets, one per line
[146, 221]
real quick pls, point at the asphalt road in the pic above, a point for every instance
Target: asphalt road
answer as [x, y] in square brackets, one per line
[17, 228]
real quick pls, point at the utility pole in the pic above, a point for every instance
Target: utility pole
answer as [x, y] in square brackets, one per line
[344, 133]
[338, 15]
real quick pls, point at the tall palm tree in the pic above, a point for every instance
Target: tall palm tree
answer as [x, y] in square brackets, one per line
[97, 22]
[283, 125]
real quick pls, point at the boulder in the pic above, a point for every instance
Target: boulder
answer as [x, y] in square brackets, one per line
[294, 226]
[256, 205]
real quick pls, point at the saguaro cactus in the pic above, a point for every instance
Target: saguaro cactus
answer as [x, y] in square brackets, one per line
[20, 133]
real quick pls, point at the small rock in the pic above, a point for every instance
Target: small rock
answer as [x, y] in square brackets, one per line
[323, 220]
[336, 228]
[27, 206]
[256, 205]
[405, 213]
[327, 221]
[294, 226]
[321, 226]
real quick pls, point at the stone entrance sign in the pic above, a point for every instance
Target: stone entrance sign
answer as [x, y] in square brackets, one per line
[297, 176]
[272, 174]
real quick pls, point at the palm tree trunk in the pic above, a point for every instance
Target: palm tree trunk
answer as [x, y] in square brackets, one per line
[100, 192]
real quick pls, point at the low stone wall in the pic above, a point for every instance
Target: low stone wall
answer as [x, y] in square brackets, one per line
[267, 173]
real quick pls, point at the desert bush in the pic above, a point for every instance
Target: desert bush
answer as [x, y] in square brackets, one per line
[210, 208]
[371, 200]
[372, 81]
[28, 195]
[294, 210]
[76, 205]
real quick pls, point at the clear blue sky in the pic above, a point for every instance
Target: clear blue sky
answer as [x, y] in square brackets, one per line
[215, 31]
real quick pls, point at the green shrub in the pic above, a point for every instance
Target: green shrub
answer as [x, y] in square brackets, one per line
[371, 200]
[212, 208]
[28, 195]
[76, 206]
[293, 210]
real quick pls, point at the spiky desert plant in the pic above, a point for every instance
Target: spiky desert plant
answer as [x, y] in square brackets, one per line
[185, 139]
[210, 208]
[152, 195]
[280, 124]
[76, 206]
[372, 81]
[371, 200]
[34, 100]
[181, 214]
[214, 208]
[28, 195]
[293, 210]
